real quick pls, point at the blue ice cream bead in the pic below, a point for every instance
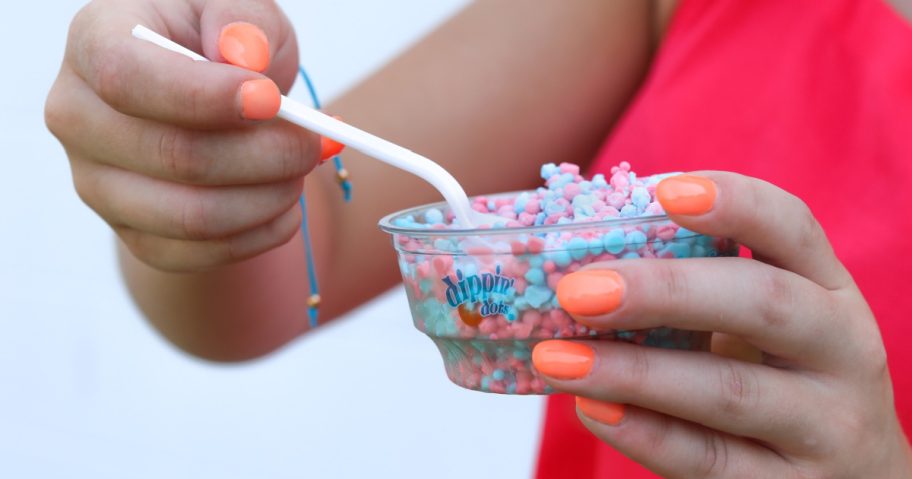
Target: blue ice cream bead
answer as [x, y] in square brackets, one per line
[548, 170]
[679, 249]
[536, 261]
[443, 245]
[433, 216]
[630, 255]
[519, 205]
[640, 198]
[491, 205]
[582, 205]
[578, 248]
[561, 257]
[540, 219]
[596, 247]
[486, 383]
[614, 241]
[599, 181]
[521, 353]
[628, 211]
[636, 239]
[683, 233]
[405, 222]
[583, 199]
[468, 268]
[498, 374]
[554, 208]
[520, 303]
[537, 295]
[535, 276]
[561, 181]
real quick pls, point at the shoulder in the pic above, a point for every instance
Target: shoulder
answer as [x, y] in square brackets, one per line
[663, 11]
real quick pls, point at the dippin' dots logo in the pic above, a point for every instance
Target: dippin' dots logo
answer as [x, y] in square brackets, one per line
[476, 288]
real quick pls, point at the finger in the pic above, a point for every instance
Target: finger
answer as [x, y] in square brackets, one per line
[783, 314]
[173, 255]
[673, 448]
[778, 227]
[144, 80]
[178, 211]
[233, 31]
[739, 398]
[273, 152]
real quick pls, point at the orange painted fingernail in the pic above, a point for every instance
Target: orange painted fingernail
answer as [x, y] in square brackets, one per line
[245, 45]
[563, 359]
[686, 194]
[330, 147]
[260, 99]
[604, 412]
[590, 292]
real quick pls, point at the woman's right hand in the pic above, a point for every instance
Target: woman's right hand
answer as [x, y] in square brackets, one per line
[184, 159]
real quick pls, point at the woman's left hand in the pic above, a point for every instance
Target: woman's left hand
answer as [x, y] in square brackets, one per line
[818, 400]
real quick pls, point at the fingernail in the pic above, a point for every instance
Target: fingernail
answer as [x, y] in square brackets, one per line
[563, 359]
[604, 412]
[686, 194]
[330, 147]
[260, 99]
[245, 45]
[590, 292]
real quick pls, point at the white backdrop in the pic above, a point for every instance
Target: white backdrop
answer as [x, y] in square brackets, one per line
[88, 390]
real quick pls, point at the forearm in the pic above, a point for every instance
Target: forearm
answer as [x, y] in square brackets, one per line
[491, 95]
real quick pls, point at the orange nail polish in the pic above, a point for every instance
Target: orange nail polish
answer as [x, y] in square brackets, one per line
[686, 194]
[590, 292]
[604, 412]
[330, 147]
[561, 359]
[245, 45]
[260, 99]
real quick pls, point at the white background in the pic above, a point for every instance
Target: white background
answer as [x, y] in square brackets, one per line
[87, 389]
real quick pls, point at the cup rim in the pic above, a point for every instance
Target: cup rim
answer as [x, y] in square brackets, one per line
[387, 226]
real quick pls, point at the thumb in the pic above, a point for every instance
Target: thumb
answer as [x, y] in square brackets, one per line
[252, 34]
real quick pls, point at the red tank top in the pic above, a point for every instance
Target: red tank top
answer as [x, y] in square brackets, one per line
[813, 96]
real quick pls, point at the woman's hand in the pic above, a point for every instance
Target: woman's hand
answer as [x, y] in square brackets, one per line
[817, 403]
[180, 157]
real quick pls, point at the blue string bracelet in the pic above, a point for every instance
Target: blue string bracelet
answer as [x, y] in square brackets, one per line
[313, 302]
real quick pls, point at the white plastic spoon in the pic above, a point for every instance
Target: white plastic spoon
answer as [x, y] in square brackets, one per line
[373, 146]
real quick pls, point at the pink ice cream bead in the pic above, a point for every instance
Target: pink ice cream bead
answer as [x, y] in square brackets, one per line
[666, 232]
[549, 266]
[532, 317]
[442, 263]
[553, 279]
[526, 219]
[571, 191]
[571, 168]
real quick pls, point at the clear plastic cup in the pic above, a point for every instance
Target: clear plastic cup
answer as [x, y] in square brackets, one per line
[486, 296]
